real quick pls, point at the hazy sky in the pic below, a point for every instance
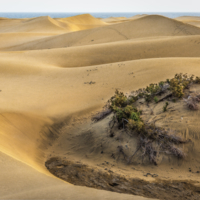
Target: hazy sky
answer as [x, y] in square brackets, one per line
[100, 6]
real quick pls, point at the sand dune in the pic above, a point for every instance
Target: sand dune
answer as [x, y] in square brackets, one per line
[81, 22]
[187, 18]
[7, 23]
[84, 21]
[121, 19]
[40, 24]
[190, 20]
[54, 74]
[1, 18]
[14, 39]
[156, 25]
[47, 24]
[111, 52]
[115, 19]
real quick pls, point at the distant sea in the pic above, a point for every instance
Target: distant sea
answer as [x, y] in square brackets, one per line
[97, 15]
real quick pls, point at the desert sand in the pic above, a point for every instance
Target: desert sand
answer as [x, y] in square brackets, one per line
[57, 73]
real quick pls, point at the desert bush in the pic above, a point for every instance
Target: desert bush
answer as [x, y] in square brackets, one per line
[179, 83]
[118, 100]
[128, 112]
[138, 125]
[176, 87]
[153, 88]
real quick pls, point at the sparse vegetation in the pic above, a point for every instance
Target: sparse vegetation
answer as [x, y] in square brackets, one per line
[151, 139]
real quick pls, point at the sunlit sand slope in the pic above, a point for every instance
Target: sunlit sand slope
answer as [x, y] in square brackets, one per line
[81, 22]
[53, 71]
[111, 52]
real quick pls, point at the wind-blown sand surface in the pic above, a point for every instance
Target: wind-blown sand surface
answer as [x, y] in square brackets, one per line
[47, 67]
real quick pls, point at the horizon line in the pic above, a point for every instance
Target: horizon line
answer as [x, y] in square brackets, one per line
[101, 12]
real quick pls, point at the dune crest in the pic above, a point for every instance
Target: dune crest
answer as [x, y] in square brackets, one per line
[36, 25]
[190, 20]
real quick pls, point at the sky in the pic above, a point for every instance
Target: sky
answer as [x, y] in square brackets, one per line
[100, 6]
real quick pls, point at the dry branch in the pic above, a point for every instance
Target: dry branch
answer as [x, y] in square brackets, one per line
[192, 102]
[101, 115]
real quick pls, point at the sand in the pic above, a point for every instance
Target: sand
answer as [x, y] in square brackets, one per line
[190, 20]
[47, 96]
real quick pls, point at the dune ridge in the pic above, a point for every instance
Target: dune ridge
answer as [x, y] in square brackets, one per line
[56, 73]
[157, 26]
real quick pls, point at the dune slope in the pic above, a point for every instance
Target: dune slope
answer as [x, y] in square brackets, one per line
[111, 52]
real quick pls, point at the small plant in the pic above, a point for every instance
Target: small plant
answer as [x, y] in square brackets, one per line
[181, 82]
[138, 126]
[161, 83]
[156, 99]
[197, 80]
[119, 100]
[176, 87]
[153, 88]
[147, 97]
[165, 106]
[174, 100]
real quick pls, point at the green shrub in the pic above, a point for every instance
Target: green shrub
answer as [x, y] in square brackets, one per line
[197, 80]
[156, 99]
[134, 116]
[165, 106]
[153, 88]
[161, 84]
[119, 100]
[135, 125]
[176, 87]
